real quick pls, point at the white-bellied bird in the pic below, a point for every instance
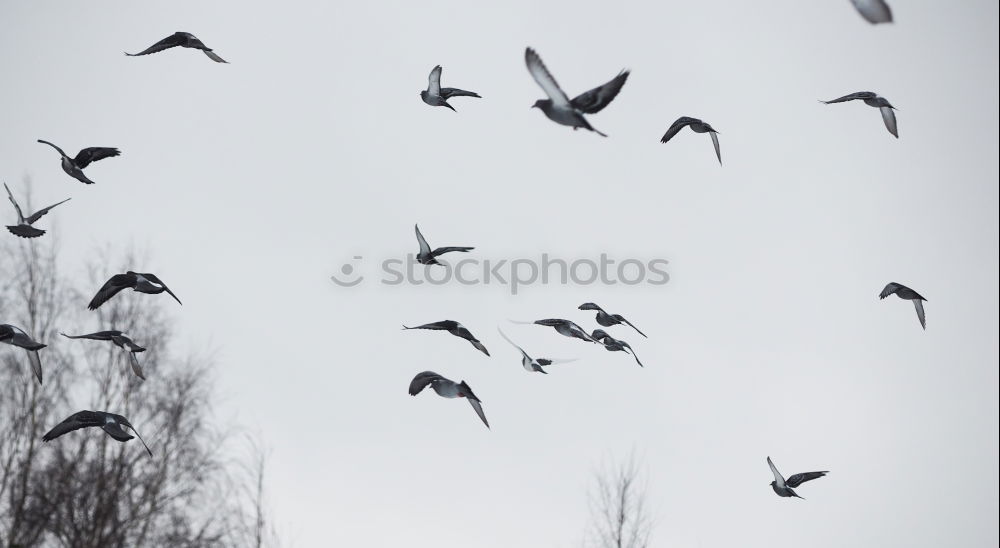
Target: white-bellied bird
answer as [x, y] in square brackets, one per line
[447, 388]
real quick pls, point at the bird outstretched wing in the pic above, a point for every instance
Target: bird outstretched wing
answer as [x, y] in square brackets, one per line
[544, 79]
[92, 154]
[421, 380]
[798, 479]
[594, 100]
[172, 41]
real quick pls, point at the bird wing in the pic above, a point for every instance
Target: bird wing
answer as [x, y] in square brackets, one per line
[590, 306]
[20, 338]
[76, 421]
[59, 150]
[544, 79]
[172, 41]
[448, 93]
[919, 305]
[621, 318]
[136, 368]
[594, 100]
[889, 289]
[434, 81]
[425, 248]
[715, 141]
[98, 336]
[20, 215]
[777, 475]
[446, 325]
[889, 117]
[798, 479]
[553, 361]
[874, 11]
[852, 97]
[215, 57]
[512, 343]
[110, 288]
[421, 381]
[155, 280]
[675, 127]
[442, 250]
[92, 154]
[41, 212]
[36, 364]
[478, 407]
[115, 431]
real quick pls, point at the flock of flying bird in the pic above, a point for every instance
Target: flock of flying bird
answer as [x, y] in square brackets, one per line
[557, 107]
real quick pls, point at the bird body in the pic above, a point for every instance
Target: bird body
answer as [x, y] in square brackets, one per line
[15, 336]
[785, 488]
[612, 344]
[139, 282]
[907, 294]
[872, 99]
[567, 328]
[559, 108]
[112, 424]
[74, 166]
[607, 320]
[180, 39]
[696, 126]
[23, 227]
[447, 388]
[455, 329]
[437, 96]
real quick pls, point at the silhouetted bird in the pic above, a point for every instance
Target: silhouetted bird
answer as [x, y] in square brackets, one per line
[455, 329]
[874, 11]
[696, 126]
[908, 294]
[608, 320]
[140, 282]
[564, 327]
[120, 340]
[184, 40]
[784, 487]
[447, 389]
[529, 363]
[612, 344]
[23, 227]
[74, 166]
[15, 336]
[437, 96]
[426, 256]
[109, 422]
[873, 100]
[558, 106]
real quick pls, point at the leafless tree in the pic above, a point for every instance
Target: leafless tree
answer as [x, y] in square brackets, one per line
[618, 507]
[85, 489]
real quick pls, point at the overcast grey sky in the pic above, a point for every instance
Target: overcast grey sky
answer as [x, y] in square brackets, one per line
[249, 184]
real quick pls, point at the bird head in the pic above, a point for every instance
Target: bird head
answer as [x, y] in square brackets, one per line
[539, 103]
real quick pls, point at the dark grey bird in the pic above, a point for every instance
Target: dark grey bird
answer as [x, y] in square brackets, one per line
[559, 108]
[908, 294]
[531, 364]
[608, 320]
[74, 166]
[121, 340]
[15, 336]
[23, 227]
[455, 329]
[612, 344]
[563, 327]
[874, 11]
[447, 388]
[784, 487]
[140, 282]
[428, 257]
[437, 96]
[184, 40]
[872, 99]
[109, 422]
[696, 126]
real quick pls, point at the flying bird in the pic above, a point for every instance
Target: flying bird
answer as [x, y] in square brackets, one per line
[784, 487]
[121, 340]
[530, 364]
[141, 282]
[74, 166]
[447, 389]
[109, 422]
[437, 96]
[908, 294]
[23, 227]
[455, 329]
[872, 99]
[426, 256]
[15, 336]
[696, 126]
[612, 344]
[564, 327]
[608, 320]
[874, 11]
[184, 40]
[559, 108]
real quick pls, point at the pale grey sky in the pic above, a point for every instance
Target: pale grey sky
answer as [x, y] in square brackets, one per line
[249, 184]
